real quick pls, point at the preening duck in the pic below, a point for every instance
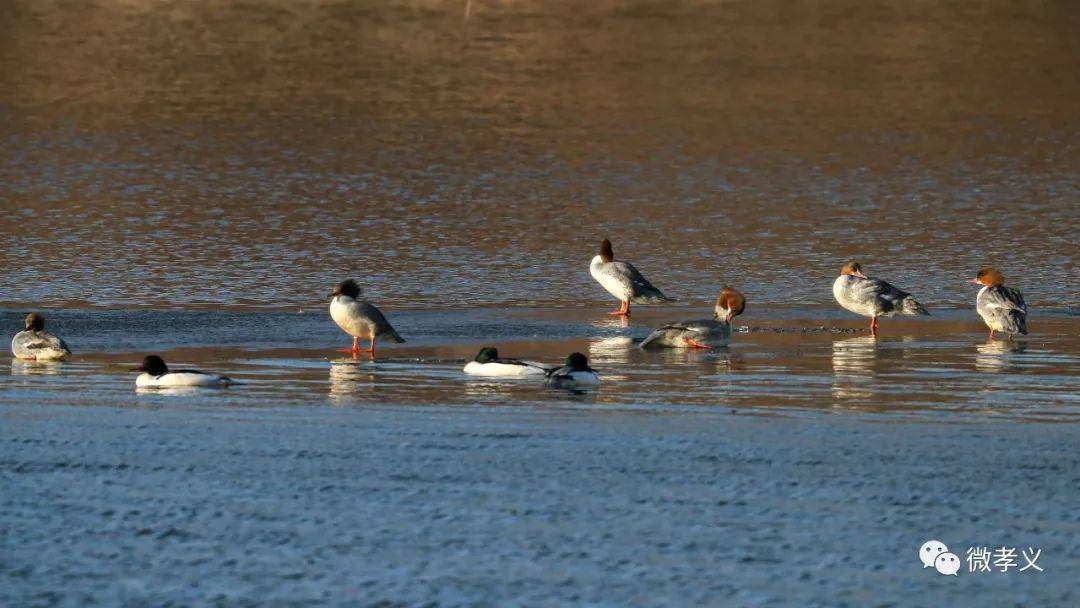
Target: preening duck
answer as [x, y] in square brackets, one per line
[36, 344]
[623, 281]
[701, 333]
[1002, 308]
[155, 374]
[488, 363]
[872, 297]
[359, 318]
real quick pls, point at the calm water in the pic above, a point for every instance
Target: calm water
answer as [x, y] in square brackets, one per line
[228, 156]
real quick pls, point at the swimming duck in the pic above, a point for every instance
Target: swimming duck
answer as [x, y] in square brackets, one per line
[34, 343]
[359, 318]
[872, 297]
[1002, 308]
[155, 374]
[701, 333]
[623, 281]
[488, 363]
[576, 372]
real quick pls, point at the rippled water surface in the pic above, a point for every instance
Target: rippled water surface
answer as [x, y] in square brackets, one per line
[252, 153]
[914, 369]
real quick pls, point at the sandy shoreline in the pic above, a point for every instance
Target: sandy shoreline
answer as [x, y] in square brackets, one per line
[432, 506]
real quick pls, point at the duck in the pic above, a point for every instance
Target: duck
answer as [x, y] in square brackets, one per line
[1002, 308]
[36, 344]
[488, 363]
[576, 372]
[872, 297]
[359, 318]
[701, 333]
[155, 374]
[623, 281]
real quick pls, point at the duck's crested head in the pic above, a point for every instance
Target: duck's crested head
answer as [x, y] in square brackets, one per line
[606, 253]
[35, 322]
[854, 269]
[989, 276]
[487, 355]
[348, 288]
[577, 362]
[153, 365]
[730, 303]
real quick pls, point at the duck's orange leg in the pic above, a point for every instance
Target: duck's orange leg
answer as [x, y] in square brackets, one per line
[873, 325]
[695, 344]
[624, 310]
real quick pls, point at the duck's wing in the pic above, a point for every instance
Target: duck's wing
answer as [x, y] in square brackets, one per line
[534, 364]
[1005, 298]
[641, 290]
[383, 329]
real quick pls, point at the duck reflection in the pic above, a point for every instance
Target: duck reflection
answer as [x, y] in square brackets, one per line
[853, 363]
[998, 355]
[23, 367]
[349, 377]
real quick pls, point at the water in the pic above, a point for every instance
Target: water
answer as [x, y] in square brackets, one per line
[191, 179]
[913, 370]
[252, 154]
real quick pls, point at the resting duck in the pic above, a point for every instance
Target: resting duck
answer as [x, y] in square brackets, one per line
[1002, 308]
[488, 363]
[576, 372]
[872, 297]
[359, 318]
[155, 374]
[623, 281]
[36, 344]
[701, 333]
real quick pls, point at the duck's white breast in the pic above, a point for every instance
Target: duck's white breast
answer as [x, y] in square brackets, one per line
[177, 379]
[475, 368]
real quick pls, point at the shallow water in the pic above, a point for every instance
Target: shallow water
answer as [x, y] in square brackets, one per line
[776, 363]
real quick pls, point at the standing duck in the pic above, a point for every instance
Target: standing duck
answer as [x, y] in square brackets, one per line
[872, 297]
[1002, 308]
[488, 363]
[36, 344]
[623, 281]
[701, 333]
[359, 318]
[576, 372]
[155, 374]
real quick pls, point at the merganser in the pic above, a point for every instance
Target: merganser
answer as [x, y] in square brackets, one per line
[359, 318]
[623, 281]
[1002, 308]
[34, 343]
[701, 333]
[488, 363]
[872, 297]
[157, 375]
[576, 372]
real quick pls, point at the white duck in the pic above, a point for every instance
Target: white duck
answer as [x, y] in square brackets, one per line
[359, 318]
[872, 297]
[36, 344]
[1002, 308]
[701, 333]
[155, 374]
[623, 281]
[488, 363]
